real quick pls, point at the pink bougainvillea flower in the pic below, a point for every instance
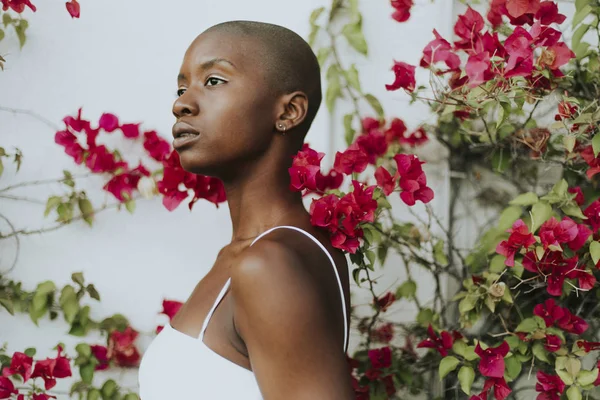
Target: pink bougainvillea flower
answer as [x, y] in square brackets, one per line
[108, 122]
[441, 343]
[549, 311]
[517, 8]
[416, 138]
[553, 233]
[566, 110]
[405, 77]
[553, 267]
[170, 308]
[572, 324]
[381, 358]
[21, 364]
[7, 388]
[549, 386]
[100, 353]
[468, 27]
[519, 238]
[592, 212]
[41, 396]
[548, 13]
[496, 11]
[353, 159]
[72, 147]
[553, 343]
[131, 131]
[369, 124]
[77, 124]
[594, 162]
[124, 184]
[157, 147]
[492, 360]
[121, 348]
[332, 180]
[402, 9]
[518, 47]
[100, 160]
[52, 368]
[437, 50]
[385, 301]
[556, 56]
[579, 199]
[73, 8]
[322, 212]
[588, 346]
[383, 334]
[479, 69]
[413, 181]
[501, 388]
[583, 233]
[385, 180]
[17, 6]
[373, 144]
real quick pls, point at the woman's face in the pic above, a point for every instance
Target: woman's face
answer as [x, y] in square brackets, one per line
[225, 107]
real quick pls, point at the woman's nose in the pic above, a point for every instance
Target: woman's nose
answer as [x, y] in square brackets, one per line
[185, 105]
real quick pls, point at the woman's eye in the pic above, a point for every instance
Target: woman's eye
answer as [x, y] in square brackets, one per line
[180, 92]
[212, 81]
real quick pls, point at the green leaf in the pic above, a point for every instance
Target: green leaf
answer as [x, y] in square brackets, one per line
[69, 303]
[578, 35]
[540, 352]
[6, 19]
[20, 29]
[595, 251]
[581, 51]
[585, 378]
[579, 4]
[353, 33]
[501, 160]
[87, 373]
[91, 289]
[497, 264]
[528, 325]
[51, 204]
[77, 277]
[508, 217]
[352, 78]
[323, 54]
[504, 113]
[540, 213]
[565, 376]
[2, 33]
[30, 352]
[525, 199]
[580, 16]
[573, 210]
[334, 87]
[425, 317]
[356, 275]
[596, 144]
[407, 290]
[574, 393]
[109, 389]
[466, 376]
[375, 104]
[94, 394]
[513, 367]
[8, 305]
[447, 365]
[438, 253]
[315, 14]
[131, 396]
[130, 206]
[349, 131]
[83, 349]
[468, 303]
[87, 210]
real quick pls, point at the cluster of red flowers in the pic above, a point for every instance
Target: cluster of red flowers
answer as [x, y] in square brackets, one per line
[49, 370]
[79, 139]
[18, 6]
[121, 350]
[488, 57]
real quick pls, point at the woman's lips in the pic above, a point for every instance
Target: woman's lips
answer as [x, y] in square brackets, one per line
[184, 139]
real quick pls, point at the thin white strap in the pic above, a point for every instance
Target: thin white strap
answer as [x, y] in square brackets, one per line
[214, 307]
[337, 275]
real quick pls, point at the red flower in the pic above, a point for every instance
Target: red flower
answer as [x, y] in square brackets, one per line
[7, 388]
[385, 301]
[77, 124]
[101, 354]
[501, 389]
[518, 47]
[416, 138]
[121, 348]
[413, 181]
[351, 160]
[396, 130]
[381, 358]
[439, 50]
[497, 10]
[69, 141]
[468, 27]
[100, 160]
[556, 56]
[17, 5]
[550, 386]
[170, 308]
[405, 77]
[593, 214]
[384, 333]
[73, 8]
[517, 8]
[441, 343]
[549, 311]
[373, 144]
[122, 185]
[157, 147]
[333, 180]
[572, 323]
[131, 131]
[42, 396]
[369, 124]
[108, 122]
[52, 368]
[548, 13]
[553, 267]
[385, 180]
[519, 237]
[553, 233]
[322, 212]
[579, 199]
[566, 110]
[492, 360]
[402, 9]
[553, 343]
[19, 364]
[588, 346]
[479, 69]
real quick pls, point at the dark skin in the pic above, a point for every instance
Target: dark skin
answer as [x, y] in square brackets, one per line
[282, 317]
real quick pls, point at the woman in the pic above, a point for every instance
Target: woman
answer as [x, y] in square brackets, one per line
[270, 318]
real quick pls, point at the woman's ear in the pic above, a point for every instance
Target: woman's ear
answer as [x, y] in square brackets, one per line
[293, 111]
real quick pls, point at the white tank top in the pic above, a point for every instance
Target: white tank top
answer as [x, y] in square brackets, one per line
[178, 366]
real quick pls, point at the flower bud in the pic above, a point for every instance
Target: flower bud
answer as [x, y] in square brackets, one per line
[497, 289]
[147, 187]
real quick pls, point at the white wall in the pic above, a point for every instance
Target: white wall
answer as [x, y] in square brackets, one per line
[123, 57]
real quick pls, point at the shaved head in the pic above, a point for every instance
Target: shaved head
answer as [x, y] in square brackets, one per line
[289, 62]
